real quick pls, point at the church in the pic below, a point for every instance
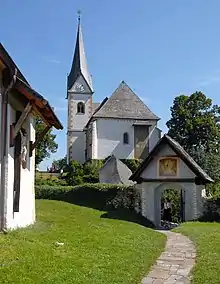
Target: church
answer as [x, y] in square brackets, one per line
[121, 125]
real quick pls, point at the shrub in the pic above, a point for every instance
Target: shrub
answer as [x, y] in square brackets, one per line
[75, 173]
[175, 197]
[132, 164]
[51, 192]
[91, 171]
[214, 189]
[51, 181]
[126, 197]
[99, 196]
[211, 210]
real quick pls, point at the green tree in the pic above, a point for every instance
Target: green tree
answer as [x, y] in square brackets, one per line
[194, 123]
[61, 164]
[75, 173]
[47, 145]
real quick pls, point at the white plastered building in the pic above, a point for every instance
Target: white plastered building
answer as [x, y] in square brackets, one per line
[121, 125]
[19, 105]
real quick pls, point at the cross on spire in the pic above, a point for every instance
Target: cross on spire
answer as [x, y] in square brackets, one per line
[79, 14]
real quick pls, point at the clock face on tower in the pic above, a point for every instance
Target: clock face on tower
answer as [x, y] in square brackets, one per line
[79, 88]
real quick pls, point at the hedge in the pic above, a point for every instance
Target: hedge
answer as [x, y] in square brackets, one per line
[211, 210]
[99, 196]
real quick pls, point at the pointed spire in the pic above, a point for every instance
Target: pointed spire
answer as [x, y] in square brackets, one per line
[79, 64]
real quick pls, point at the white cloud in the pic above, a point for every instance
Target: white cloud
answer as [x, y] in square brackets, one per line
[60, 108]
[51, 60]
[213, 79]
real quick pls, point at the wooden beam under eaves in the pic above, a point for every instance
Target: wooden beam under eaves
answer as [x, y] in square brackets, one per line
[39, 138]
[40, 115]
[22, 118]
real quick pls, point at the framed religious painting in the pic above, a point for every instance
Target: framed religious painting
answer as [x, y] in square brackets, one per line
[168, 167]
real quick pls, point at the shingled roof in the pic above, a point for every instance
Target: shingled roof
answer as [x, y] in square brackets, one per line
[95, 106]
[178, 149]
[115, 171]
[124, 103]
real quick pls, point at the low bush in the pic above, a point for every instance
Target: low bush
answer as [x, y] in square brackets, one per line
[214, 189]
[75, 174]
[50, 181]
[211, 210]
[98, 196]
[132, 164]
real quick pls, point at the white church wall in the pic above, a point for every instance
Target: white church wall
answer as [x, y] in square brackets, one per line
[26, 214]
[110, 138]
[76, 141]
[77, 146]
[155, 136]
[94, 140]
[77, 121]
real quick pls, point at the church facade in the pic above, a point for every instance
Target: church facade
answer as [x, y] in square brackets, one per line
[121, 125]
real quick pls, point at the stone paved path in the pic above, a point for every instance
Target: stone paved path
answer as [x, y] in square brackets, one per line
[175, 263]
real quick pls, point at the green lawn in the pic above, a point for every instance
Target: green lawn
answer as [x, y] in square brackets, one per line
[95, 251]
[206, 236]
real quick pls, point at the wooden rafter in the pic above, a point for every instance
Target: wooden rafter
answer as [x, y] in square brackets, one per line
[40, 115]
[39, 138]
[22, 118]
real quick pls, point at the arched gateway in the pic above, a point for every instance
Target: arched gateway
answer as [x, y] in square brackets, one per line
[169, 166]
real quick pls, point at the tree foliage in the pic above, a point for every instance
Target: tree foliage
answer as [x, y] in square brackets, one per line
[61, 164]
[75, 173]
[47, 145]
[194, 123]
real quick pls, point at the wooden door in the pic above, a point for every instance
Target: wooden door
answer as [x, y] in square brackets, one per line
[141, 143]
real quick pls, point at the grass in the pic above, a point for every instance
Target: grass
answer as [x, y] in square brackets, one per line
[96, 250]
[206, 237]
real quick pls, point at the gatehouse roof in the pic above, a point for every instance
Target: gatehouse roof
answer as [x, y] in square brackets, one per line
[180, 152]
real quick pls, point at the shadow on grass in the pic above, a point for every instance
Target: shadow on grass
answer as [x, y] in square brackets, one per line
[129, 216]
[93, 196]
[99, 200]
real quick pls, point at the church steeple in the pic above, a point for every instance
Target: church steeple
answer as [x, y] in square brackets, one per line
[79, 65]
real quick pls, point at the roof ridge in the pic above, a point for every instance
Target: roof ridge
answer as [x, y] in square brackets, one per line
[125, 103]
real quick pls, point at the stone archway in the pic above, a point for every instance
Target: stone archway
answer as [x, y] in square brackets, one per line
[158, 192]
[169, 165]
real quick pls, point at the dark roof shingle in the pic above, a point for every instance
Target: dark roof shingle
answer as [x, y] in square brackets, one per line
[124, 103]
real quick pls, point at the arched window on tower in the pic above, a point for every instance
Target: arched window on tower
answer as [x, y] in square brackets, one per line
[125, 138]
[80, 107]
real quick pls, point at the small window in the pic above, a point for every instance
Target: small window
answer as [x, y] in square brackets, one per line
[125, 138]
[80, 107]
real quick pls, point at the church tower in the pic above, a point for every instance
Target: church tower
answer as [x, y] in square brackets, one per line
[79, 96]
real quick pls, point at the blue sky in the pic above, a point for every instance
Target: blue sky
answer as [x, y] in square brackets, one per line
[160, 48]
